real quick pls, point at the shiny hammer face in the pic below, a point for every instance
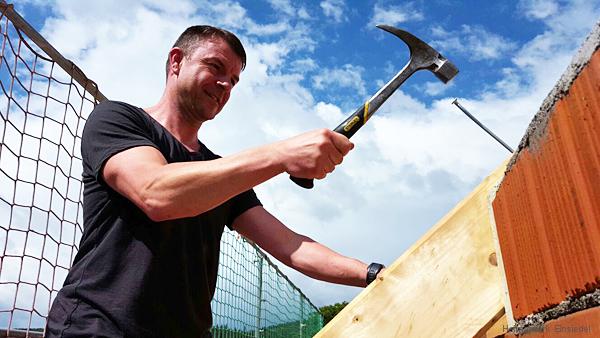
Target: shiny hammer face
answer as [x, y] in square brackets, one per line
[423, 56]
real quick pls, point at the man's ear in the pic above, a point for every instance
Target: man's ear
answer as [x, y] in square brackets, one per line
[175, 59]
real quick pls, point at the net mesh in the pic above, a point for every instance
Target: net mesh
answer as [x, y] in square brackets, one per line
[254, 299]
[43, 109]
[42, 113]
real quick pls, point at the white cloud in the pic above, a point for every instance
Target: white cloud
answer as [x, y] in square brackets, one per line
[271, 54]
[284, 6]
[268, 29]
[329, 113]
[303, 65]
[107, 37]
[303, 14]
[436, 138]
[232, 15]
[511, 83]
[538, 9]
[299, 38]
[574, 18]
[287, 10]
[476, 43]
[394, 15]
[434, 88]
[348, 76]
[334, 9]
[541, 61]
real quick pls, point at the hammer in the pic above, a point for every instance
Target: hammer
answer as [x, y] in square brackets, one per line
[422, 56]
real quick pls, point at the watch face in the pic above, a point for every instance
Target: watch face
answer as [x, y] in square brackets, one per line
[372, 271]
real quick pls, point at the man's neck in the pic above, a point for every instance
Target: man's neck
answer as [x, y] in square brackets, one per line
[174, 121]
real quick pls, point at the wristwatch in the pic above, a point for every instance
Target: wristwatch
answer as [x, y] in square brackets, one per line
[372, 271]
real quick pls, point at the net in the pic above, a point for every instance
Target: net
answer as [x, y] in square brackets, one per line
[255, 299]
[44, 103]
[42, 112]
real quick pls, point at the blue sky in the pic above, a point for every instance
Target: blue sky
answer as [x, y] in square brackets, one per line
[310, 63]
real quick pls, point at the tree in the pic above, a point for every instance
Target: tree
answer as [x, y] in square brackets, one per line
[330, 311]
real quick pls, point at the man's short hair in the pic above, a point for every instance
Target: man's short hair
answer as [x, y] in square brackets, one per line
[192, 36]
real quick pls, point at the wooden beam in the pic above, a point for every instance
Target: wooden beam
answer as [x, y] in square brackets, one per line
[497, 326]
[446, 285]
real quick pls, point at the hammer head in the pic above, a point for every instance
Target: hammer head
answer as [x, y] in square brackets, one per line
[423, 56]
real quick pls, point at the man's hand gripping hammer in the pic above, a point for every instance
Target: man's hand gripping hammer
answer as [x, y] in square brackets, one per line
[422, 56]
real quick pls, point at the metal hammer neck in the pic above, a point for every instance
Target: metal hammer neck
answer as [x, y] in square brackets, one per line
[386, 91]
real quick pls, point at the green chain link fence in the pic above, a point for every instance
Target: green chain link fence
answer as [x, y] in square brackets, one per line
[254, 299]
[44, 102]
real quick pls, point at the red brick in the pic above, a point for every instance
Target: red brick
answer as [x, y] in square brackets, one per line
[547, 209]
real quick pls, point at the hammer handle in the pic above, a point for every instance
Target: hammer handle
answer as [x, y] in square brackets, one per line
[355, 121]
[306, 183]
[347, 128]
[358, 119]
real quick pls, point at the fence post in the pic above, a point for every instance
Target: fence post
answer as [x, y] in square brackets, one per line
[301, 314]
[259, 297]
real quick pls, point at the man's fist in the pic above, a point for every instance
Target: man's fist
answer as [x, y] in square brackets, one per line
[313, 154]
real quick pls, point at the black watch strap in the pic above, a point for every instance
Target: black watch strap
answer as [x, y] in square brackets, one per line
[372, 271]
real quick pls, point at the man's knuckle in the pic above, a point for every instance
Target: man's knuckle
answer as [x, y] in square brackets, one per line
[325, 135]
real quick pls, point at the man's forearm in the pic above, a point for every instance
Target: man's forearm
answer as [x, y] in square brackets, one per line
[298, 251]
[318, 261]
[187, 189]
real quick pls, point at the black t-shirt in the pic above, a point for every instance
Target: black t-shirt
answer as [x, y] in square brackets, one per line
[134, 277]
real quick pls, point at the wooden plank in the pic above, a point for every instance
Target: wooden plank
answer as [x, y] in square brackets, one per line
[445, 285]
[508, 314]
[497, 327]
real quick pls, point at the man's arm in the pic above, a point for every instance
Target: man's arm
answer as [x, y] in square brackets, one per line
[176, 190]
[298, 251]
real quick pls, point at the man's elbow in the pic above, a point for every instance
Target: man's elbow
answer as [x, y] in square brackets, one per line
[156, 209]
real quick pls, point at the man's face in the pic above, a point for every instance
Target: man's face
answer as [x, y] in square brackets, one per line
[206, 78]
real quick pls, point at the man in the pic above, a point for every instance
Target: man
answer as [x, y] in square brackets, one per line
[156, 201]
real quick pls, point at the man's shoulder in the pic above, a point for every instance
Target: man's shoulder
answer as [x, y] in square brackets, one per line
[117, 111]
[110, 105]
[114, 118]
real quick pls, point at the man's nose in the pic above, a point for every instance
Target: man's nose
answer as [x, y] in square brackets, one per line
[225, 84]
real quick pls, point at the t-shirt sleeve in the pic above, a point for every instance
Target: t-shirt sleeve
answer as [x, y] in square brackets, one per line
[241, 203]
[112, 127]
